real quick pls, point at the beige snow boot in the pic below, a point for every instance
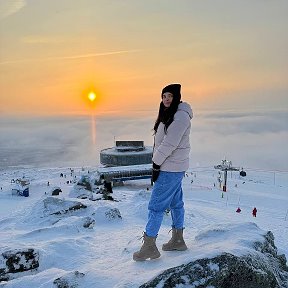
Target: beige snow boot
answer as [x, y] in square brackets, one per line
[176, 242]
[148, 249]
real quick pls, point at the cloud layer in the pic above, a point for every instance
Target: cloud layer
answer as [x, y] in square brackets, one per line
[253, 140]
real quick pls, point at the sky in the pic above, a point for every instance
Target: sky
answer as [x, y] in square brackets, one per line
[226, 54]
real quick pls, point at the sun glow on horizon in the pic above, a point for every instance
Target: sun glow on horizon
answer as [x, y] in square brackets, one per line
[91, 96]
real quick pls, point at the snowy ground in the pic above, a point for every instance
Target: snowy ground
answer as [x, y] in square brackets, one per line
[104, 253]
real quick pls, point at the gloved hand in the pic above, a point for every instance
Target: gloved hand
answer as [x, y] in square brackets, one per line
[155, 172]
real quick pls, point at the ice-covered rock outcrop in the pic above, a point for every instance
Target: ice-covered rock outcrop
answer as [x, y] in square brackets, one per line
[70, 280]
[256, 265]
[17, 261]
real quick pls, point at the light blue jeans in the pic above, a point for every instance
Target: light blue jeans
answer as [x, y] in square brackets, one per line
[167, 193]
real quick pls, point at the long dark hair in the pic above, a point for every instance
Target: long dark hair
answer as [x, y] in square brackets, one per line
[165, 115]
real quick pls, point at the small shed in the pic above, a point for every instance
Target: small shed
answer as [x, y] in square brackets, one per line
[20, 187]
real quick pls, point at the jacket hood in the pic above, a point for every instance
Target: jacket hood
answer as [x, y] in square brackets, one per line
[184, 106]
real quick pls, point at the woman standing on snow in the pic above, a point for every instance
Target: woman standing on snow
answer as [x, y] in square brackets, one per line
[170, 161]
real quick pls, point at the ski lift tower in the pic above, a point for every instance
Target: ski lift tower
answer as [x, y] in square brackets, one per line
[226, 166]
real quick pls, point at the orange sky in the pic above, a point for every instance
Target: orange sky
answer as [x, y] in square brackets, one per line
[53, 53]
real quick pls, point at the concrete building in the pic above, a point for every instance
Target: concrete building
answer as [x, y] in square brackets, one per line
[126, 153]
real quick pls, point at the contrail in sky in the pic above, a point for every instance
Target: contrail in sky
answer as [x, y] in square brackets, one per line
[9, 7]
[69, 57]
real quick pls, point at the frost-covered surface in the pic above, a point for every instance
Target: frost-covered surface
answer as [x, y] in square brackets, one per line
[121, 151]
[92, 246]
[142, 167]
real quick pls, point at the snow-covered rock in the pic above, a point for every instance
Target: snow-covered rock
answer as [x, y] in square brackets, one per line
[106, 213]
[70, 280]
[259, 266]
[17, 261]
[57, 206]
[55, 191]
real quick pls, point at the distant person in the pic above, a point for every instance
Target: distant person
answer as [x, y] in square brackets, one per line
[254, 212]
[108, 186]
[238, 210]
[170, 161]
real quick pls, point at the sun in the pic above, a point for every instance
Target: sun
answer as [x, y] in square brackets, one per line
[91, 96]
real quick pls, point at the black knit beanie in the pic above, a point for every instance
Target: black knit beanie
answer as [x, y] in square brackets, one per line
[175, 90]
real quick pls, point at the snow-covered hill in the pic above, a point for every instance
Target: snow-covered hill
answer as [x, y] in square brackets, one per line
[90, 243]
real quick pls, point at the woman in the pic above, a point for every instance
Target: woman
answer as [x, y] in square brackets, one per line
[170, 161]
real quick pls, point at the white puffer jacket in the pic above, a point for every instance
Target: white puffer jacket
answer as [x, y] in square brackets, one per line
[171, 150]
